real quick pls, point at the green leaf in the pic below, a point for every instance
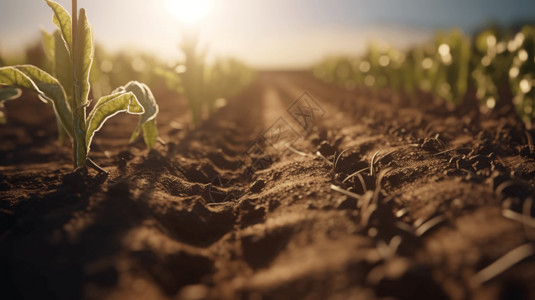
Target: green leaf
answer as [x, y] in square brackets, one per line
[108, 106]
[63, 71]
[146, 99]
[62, 133]
[47, 87]
[9, 93]
[150, 133]
[62, 19]
[83, 57]
[54, 46]
[63, 64]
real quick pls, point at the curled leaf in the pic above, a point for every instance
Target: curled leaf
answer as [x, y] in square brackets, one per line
[9, 93]
[107, 107]
[150, 133]
[47, 87]
[147, 122]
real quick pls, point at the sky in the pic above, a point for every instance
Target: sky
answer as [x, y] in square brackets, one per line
[263, 33]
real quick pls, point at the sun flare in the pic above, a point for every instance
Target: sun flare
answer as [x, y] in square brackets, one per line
[188, 11]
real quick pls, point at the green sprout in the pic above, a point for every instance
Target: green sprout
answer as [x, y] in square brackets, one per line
[205, 85]
[491, 61]
[68, 91]
[194, 75]
[494, 64]
[452, 58]
[522, 73]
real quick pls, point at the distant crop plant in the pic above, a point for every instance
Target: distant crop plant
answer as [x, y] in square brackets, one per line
[67, 92]
[205, 86]
[522, 73]
[494, 64]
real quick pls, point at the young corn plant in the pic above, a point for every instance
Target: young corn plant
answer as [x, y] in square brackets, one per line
[188, 78]
[204, 85]
[452, 59]
[224, 79]
[194, 76]
[68, 91]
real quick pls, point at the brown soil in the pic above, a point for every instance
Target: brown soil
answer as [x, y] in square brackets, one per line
[244, 207]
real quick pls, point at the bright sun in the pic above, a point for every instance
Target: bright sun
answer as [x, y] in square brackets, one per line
[188, 11]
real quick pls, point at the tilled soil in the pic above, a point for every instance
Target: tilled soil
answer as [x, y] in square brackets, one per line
[297, 189]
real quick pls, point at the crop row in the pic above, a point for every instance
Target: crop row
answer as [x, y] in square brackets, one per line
[500, 66]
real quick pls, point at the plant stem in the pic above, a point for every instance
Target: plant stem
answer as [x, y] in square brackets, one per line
[77, 105]
[74, 11]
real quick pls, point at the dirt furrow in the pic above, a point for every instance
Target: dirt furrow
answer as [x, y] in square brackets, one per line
[426, 202]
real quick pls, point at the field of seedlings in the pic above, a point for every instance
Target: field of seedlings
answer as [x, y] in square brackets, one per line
[397, 174]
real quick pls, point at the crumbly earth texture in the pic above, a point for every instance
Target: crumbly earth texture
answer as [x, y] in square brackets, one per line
[281, 194]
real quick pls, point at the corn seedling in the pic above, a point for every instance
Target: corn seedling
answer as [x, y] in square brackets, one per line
[193, 77]
[452, 58]
[68, 91]
[205, 86]
[225, 78]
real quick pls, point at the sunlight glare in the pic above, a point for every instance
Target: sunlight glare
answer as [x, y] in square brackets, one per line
[188, 11]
